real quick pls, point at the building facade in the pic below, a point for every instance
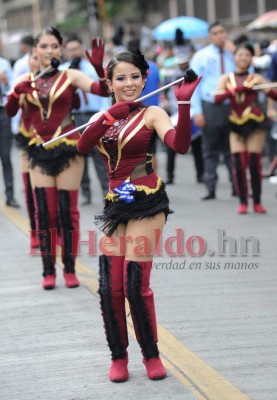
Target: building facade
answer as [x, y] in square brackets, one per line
[31, 16]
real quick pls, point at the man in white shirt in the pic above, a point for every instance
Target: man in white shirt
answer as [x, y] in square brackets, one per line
[5, 131]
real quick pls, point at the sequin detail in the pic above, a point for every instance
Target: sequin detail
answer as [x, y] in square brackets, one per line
[110, 138]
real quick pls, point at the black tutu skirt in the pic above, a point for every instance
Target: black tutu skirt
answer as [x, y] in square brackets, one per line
[145, 205]
[247, 129]
[21, 141]
[52, 161]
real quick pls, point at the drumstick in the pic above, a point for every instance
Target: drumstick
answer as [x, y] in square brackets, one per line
[268, 85]
[160, 89]
[90, 123]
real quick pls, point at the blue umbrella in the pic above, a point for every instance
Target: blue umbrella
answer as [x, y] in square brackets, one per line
[191, 27]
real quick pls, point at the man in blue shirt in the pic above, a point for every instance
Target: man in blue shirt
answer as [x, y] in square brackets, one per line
[5, 130]
[211, 62]
[89, 105]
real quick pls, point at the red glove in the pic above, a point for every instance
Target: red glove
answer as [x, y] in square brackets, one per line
[219, 98]
[91, 135]
[12, 105]
[185, 91]
[272, 94]
[97, 55]
[179, 139]
[99, 88]
[122, 109]
[24, 87]
[242, 89]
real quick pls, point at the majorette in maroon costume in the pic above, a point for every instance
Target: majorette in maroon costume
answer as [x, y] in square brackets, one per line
[246, 118]
[48, 109]
[25, 135]
[136, 192]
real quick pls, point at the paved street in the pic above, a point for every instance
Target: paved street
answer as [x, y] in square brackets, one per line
[215, 285]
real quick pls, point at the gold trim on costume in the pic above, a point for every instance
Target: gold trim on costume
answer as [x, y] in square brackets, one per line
[53, 94]
[102, 150]
[38, 140]
[121, 143]
[150, 159]
[249, 81]
[33, 97]
[132, 134]
[246, 116]
[24, 132]
[232, 81]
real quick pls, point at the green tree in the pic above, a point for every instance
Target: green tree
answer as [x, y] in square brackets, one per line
[79, 11]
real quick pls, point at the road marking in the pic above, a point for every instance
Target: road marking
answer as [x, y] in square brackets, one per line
[203, 381]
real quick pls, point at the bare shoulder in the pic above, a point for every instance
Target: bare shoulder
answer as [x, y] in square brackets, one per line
[154, 115]
[154, 112]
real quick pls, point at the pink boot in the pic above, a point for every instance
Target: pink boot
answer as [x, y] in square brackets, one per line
[69, 226]
[155, 369]
[112, 302]
[49, 282]
[118, 370]
[71, 280]
[243, 209]
[255, 164]
[141, 300]
[46, 211]
[259, 209]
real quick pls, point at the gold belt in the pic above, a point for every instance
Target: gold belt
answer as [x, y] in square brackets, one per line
[38, 140]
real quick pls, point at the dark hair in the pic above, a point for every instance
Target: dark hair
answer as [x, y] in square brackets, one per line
[73, 37]
[179, 37]
[215, 23]
[137, 59]
[246, 46]
[264, 43]
[50, 31]
[28, 40]
[118, 36]
[241, 39]
[133, 45]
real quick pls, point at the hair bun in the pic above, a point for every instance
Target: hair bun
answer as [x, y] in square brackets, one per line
[57, 33]
[142, 60]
